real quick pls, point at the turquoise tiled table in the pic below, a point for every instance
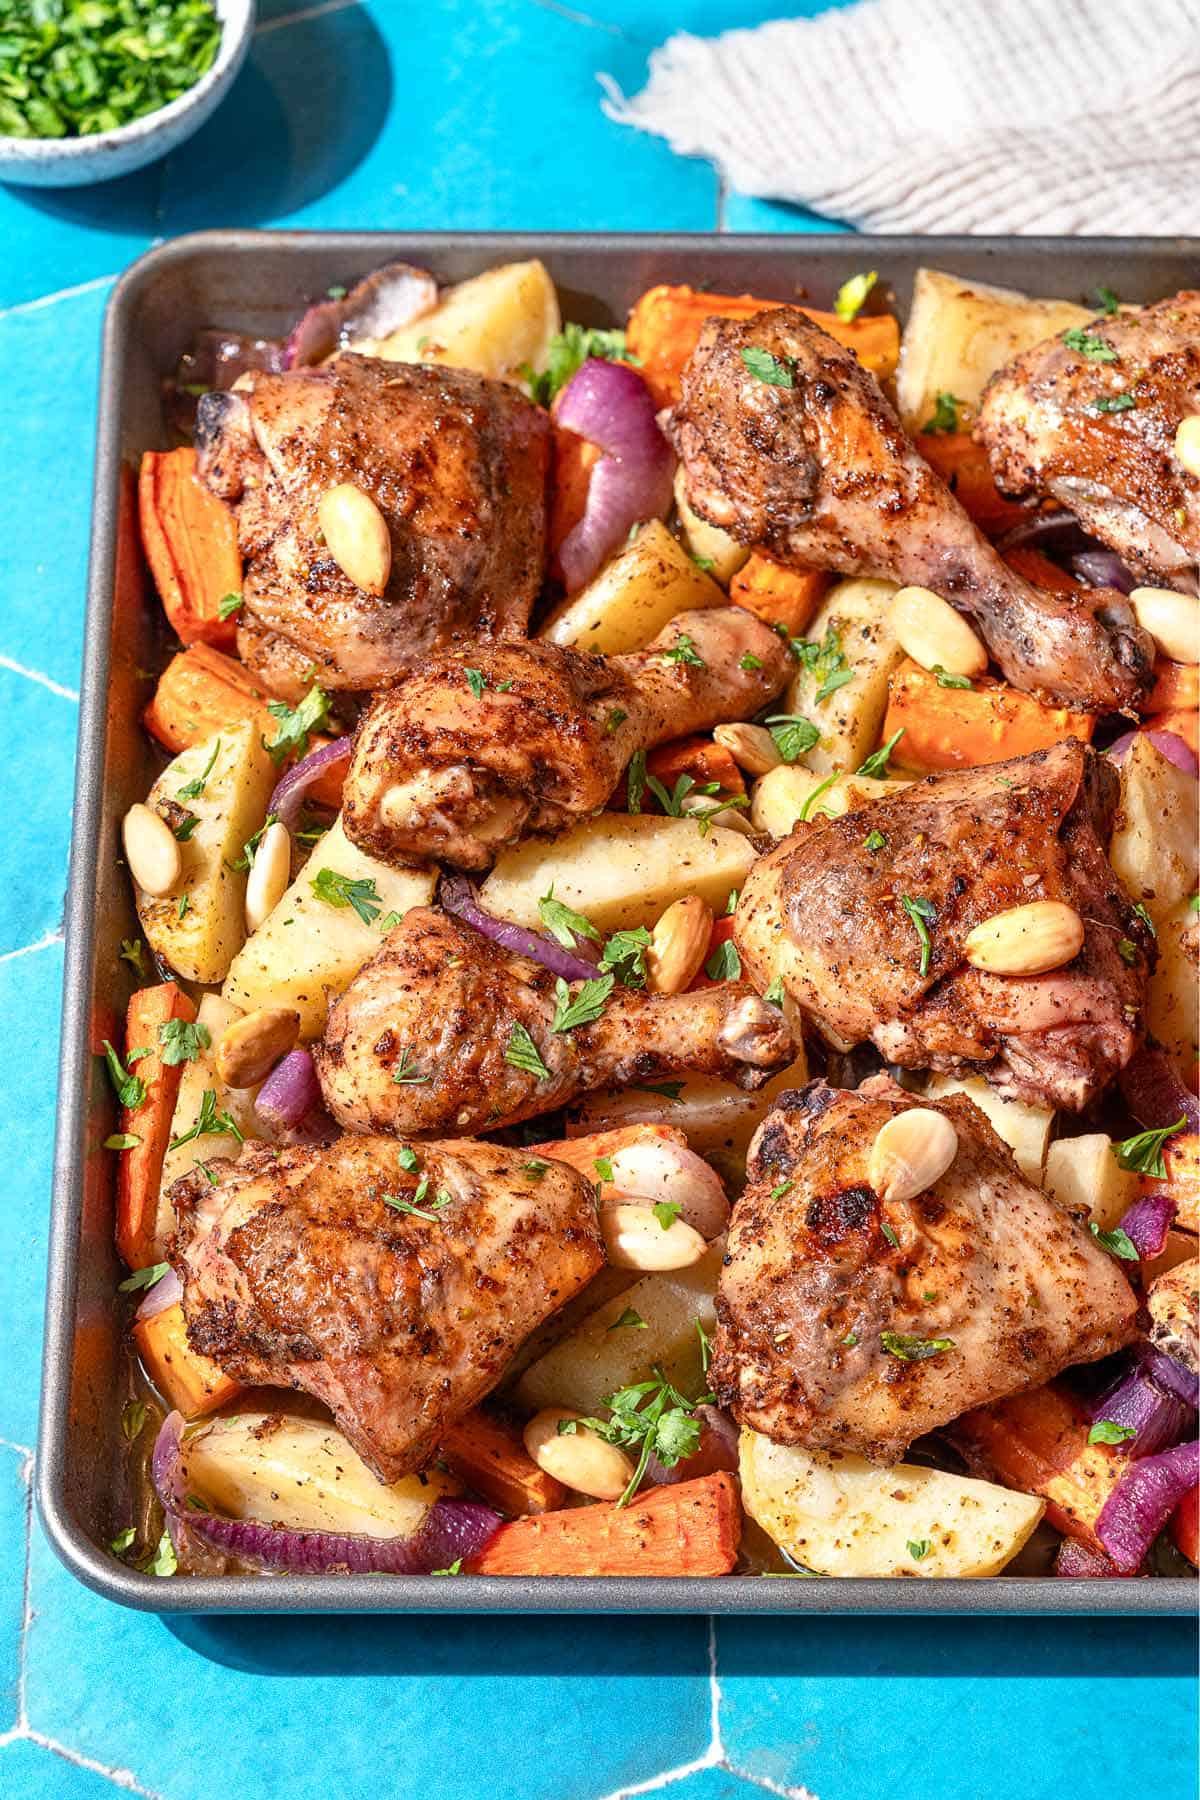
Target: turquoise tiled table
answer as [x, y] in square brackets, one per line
[447, 113]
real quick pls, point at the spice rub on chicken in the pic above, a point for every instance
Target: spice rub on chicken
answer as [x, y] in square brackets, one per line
[477, 750]
[850, 1318]
[1089, 418]
[444, 1031]
[789, 444]
[866, 920]
[392, 1283]
[444, 547]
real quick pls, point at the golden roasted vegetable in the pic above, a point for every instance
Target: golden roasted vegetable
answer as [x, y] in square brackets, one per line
[495, 324]
[854, 629]
[202, 1098]
[709, 547]
[1154, 846]
[1084, 1177]
[635, 594]
[1024, 1128]
[1173, 997]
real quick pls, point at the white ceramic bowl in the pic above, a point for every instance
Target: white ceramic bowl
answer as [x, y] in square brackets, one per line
[77, 161]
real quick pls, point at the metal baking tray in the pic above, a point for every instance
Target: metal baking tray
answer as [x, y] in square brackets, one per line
[258, 282]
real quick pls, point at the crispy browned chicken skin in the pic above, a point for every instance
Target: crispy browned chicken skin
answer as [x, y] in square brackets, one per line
[814, 467]
[482, 748]
[298, 1273]
[812, 1281]
[1117, 471]
[825, 913]
[443, 1001]
[456, 464]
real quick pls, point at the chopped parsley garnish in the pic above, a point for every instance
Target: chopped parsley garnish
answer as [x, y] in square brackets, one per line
[876, 764]
[403, 1076]
[946, 680]
[781, 1188]
[635, 781]
[630, 1320]
[705, 563]
[684, 650]
[824, 661]
[814, 794]
[184, 902]
[625, 953]
[389, 920]
[651, 1414]
[193, 789]
[616, 717]
[666, 1212]
[794, 735]
[922, 913]
[399, 1204]
[724, 964]
[567, 352]
[250, 847]
[874, 840]
[603, 1167]
[130, 1089]
[731, 902]
[162, 1560]
[211, 1121]
[563, 923]
[133, 953]
[919, 1548]
[408, 1159]
[850, 297]
[133, 1419]
[1106, 301]
[1118, 1243]
[666, 1090]
[850, 1340]
[341, 890]
[123, 1541]
[1107, 1431]
[181, 1041]
[907, 1348]
[534, 1168]
[1127, 950]
[705, 1346]
[765, 367]
[1140, 912]
[774, 994]
[122, 1140]
[454, 1568]
[476, 681]
[522, 1053]
[944, 416]
[1143, 1152]
[143, 1278]
[586, 1006]
[228, 604]
[296, 722]
[890, 1235]
[672, 803]
[1089, 345]
[183, 828]
[1113, 403]
[749, 662]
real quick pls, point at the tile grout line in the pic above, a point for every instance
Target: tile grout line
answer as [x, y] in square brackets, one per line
[580, 18]
[67, 293]
[302, 15]
[46, 681]
[43, 943]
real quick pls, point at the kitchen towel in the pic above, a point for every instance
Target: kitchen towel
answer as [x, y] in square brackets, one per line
[1074, 116]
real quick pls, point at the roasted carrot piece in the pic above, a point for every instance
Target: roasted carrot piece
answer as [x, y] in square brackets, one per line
[1040, 571]
[1181, 1159]
[779, 596]
[1176, 688]
[963, 465]
[495, 1463]
[699, 757]
[574, 460]
[1183, 721]
[1038, 1443]
[957, 728]
[1185, 1526]
[190, 539]
[691, 1529]
[666, 323]
[201, 692]
[191, 1382]
[140, 1167]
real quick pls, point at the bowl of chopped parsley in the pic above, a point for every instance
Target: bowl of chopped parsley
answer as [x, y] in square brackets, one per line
[90, 89]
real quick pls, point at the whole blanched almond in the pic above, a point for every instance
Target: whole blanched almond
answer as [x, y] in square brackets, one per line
[635, 1238]
[357, 536]
[1172, 619]
[579, 1458]
[248, 1049]
[912, 1151]
[151, 851]
[270, 873]
[1026, 940]
[930, 631]
[751, 746]
[678, 945]
[1187, 443]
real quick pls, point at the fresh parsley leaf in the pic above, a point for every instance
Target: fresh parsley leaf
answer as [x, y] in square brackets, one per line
[250, 847]
[907, 1348]
[703, 562]
[130, 1089]
[631, 1320]
[635, 781]
[1127, 950]
[654, 1415]
[143, 1278]
[399, 1204]
[625, 954]
[1107, 1431]
[774, 994]
[705, 1346]
[890, 1235]
[672, 803]
[1143, 1152]
[183, 828]
[563, 923]
[946, 680]
[724, 964]
[750, 662]
[123, 1541]
[454, 1568]
[781, 1188]
[534, 1168]
[850, 1339]
[876, 764]
[211, 1121]
[1140, 912]
[133, 1419]
[181, 1041]
[923, 913]
[1089, 345]
[162, 1560]
[389, 921]
[666, 1212]
[586, 1006]
[1113, 403]
[919, 1549]
[1118, 1243]
[945, 413]
[522, 1053]
[122, 1140]
[1106, 301]
[408, 1159]
[731, 902]
[683, 650]
[135, 956]
[848, 301]
[765, 367]
[476, 681]
[603, 1167]
[228, 604]
[825, 662]
[193, 789]
[402, 1073]
[794, 735]
[185, 901]
[874, 840]
[295, 723]
[567, 352]
[340, 890]
[616, 717]
[813, 795]
[666, 1090]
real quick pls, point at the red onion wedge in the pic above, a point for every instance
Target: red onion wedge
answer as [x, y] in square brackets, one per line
[290, 1094]
[289, 793]
[1142, 1502]
[1155, 1093]
[214, 361]
[610, 405]
[1171, 1376]
[1135, 1402]
[717, 1449]
[1167, 743]
[164, 1293]
[1103, 569]
[459, 898]
[1077, 1561]
[1147, 1223]
[373, 308]
[452, 1530]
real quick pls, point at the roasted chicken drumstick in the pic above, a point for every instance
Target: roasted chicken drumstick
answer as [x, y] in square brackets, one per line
[478, 749]
[393, 1285]
[854, 1319]
[865, 917]
[450, 469]
[443, 1031]
[1092, 423]
[789, 444]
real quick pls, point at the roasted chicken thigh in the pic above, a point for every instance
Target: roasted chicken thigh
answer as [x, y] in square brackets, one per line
[477, 750]
[443, 1031]
[789, 444]
[864, 918]
[457, 466]
[1093, 425]
[850, 1322]
[393, 1285]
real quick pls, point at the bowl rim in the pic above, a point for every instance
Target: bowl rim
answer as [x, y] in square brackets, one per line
[238, 19]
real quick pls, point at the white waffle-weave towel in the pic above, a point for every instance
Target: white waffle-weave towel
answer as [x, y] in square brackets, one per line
[1073, 116]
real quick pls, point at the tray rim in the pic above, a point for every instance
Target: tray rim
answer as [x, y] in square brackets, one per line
[719, 1595]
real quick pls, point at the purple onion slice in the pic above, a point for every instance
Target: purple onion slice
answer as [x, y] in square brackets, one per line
[1154, 1093]
[374, 307]
[1136, 1403]
[1142, 1502]
[290, 1094]
[1147, 1222]
[459, 898]
[610, 405]
[1168, 743]
[289, 794]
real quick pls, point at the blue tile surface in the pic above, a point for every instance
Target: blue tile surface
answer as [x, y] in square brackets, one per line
[451, 114]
